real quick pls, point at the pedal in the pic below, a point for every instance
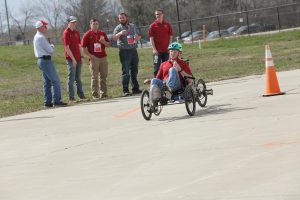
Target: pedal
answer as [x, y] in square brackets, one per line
[209, 92]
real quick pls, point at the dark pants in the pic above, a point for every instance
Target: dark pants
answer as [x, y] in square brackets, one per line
[158, 59]
[129, 60]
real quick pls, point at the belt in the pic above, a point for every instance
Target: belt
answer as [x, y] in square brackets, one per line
[45, 57]
[133, 49]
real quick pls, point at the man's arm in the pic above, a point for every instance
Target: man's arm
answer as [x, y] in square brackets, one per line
[170, 39]
[86, 51]
[154, 50]
[69, 52]
[43, 42]
[103, 41]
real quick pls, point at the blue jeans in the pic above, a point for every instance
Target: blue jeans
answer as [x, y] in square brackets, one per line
[74, 74]
[158, 59]
[173, 80]
[129, 60]
[51, 82]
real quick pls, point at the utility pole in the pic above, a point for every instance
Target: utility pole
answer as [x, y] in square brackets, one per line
[178, 19]
[107, 22]
[7, 20]
[1, 26]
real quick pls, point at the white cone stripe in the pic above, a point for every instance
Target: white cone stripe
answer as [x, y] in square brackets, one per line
[269, 63]
[268, 54]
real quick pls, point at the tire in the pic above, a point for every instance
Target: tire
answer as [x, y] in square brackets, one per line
[201, 96]
[189, 101]
[145, 105]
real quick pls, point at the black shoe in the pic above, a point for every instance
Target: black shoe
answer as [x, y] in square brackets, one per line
[103, 96]
[60, 104]
[82, 98]
[126, 94]
[72, 99]
[137, 91]
[48, 105]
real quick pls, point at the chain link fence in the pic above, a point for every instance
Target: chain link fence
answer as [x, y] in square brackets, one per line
[244, 22]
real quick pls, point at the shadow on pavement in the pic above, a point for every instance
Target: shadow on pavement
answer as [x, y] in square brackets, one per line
[210, 110]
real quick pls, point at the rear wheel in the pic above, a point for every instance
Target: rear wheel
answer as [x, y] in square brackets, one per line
[201, 95]
[189, 100]
[145, 105]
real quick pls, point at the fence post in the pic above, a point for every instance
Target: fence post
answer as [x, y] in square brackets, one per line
[204, 37]
[278, 17]
[247, 21]
[191, 28]
[219, 26]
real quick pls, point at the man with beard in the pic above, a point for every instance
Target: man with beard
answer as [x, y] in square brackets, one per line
[127, 35]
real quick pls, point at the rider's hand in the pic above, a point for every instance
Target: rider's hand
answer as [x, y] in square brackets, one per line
[176, 65]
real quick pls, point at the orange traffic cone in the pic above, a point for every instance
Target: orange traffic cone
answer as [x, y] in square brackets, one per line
[272, 86]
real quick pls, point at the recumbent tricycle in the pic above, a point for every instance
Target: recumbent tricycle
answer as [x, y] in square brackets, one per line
[188, 95]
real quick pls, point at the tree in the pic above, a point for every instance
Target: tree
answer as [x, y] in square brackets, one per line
[52, 12]
[85, 10]
[21, 23]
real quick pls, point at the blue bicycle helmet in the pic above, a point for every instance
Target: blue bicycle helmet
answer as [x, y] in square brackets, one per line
[175, 46]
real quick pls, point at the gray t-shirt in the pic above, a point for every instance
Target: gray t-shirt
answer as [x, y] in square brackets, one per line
[127, 41]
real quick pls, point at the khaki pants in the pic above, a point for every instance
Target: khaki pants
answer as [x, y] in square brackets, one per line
[98, 67]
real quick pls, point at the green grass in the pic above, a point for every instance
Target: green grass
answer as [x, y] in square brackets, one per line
[21, 85]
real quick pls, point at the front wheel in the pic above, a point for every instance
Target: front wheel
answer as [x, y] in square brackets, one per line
[201, 95]
[189, 100]
[145, 105]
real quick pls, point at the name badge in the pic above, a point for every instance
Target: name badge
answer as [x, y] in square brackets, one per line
[130, 39]
[97, 47]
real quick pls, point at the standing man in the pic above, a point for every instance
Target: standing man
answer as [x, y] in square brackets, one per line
[93, 43]
[127, 36]
[43, 51]
[160, 34]
[71, 43]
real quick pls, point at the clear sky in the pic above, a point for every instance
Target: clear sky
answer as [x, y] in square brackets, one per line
[15, 5]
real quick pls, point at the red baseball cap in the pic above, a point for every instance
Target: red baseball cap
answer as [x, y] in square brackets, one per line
[40, 23]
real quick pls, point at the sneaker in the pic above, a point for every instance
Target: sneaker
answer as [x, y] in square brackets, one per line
[168, 94]
[147, 81]
[137, 91]
[126, 94]
[48, 105]
[60, 104]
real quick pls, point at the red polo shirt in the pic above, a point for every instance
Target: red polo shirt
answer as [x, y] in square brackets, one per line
[72, 39]
[163, 72]
[90, 38]
[161, 33]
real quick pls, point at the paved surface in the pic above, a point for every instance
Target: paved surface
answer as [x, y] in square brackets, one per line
[240, 147]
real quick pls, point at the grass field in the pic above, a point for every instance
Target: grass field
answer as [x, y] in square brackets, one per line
[21, 85]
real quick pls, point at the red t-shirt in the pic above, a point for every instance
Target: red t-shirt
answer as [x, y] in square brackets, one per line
[72, 39]
[161, 33]
[163, 72]
[91, 40]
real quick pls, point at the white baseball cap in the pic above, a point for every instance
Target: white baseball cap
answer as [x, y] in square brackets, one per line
[40, 23]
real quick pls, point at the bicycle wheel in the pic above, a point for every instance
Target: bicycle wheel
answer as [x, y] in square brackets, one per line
[189, 100]
[145, 105]
[201, 96]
